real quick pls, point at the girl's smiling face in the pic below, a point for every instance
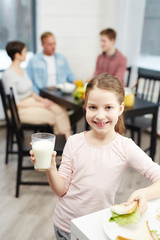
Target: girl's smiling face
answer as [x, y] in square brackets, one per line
[103, 110]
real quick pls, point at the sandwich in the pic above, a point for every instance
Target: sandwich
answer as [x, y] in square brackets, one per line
[124, 209]
[142, 233]
[124, 214]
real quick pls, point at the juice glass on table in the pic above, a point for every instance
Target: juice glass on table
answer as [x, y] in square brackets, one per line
[42, 146]
[129, 97]
[79, 83]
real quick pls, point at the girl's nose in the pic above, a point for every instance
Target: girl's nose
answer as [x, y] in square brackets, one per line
[100, 115]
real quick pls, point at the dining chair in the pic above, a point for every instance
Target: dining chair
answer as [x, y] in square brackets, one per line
[147, 87]
[128, 71]
[23, 143]
[10, 141]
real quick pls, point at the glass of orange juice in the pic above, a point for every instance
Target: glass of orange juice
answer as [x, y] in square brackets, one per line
[79, 83]
[129, 97]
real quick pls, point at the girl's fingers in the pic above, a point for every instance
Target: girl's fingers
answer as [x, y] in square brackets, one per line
[54, 154]
[139, 195]
[31, 153]
[53, 160]
[142, 203]
[142, 206]
[32, 156]
[130, 200]
[30, 143]
[53, 157]
[33, 159]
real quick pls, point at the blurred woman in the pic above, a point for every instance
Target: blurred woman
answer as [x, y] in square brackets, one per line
[31, 107]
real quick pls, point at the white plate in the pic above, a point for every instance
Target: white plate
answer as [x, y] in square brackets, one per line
[66, 87]
[112, 229]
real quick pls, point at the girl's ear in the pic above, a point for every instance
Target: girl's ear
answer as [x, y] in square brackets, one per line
[121, 109]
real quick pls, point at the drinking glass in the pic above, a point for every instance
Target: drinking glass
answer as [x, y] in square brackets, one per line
[42, 146]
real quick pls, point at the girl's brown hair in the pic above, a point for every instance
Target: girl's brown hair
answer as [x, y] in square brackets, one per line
[109, 83]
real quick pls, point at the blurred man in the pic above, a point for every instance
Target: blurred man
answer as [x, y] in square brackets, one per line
[111, 60]
[48, 68]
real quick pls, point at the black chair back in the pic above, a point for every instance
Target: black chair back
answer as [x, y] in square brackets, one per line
[128, 69]
[16, 121]
[148, 85]
[14, 102]
[10, 140]
[5, 103]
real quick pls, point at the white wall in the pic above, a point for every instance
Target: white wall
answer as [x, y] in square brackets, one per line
[77, 23]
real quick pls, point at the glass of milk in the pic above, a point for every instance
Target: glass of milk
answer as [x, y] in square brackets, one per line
[43, 146]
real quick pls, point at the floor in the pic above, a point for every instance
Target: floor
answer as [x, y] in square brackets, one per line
[29, 217]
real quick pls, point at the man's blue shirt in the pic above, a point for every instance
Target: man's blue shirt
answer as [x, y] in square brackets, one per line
[37, 71]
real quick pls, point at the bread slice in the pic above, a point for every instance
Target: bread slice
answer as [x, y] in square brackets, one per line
[122, 238]
[142, 233]
[124, 209]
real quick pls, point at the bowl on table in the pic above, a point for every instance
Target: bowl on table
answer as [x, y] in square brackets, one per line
[66, 87]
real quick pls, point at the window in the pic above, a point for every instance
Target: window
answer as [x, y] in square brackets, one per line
[151, 30]
[17, 22]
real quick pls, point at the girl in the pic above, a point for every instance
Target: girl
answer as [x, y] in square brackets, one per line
[93, 162]
[31, 107]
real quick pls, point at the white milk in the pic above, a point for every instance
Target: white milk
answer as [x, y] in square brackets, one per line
[42, 151]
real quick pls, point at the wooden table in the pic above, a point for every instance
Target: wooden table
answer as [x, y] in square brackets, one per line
[140, 108]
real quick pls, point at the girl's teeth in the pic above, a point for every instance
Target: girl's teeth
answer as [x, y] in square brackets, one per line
[100, 124]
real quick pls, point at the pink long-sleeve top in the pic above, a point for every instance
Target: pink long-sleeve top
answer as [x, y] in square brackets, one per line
[114, 65]
[92, 175]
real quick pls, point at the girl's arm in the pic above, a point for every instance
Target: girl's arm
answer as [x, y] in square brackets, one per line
[145, 194]
[144, 165]
[56, 182]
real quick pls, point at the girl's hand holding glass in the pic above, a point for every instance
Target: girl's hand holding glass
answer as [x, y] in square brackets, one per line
[53, 161]
[42, 146]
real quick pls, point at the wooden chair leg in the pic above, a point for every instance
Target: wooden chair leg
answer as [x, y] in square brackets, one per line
[19, 174]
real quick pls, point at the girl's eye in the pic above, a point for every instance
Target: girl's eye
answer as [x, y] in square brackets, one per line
[92, 107]
[108, 107]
